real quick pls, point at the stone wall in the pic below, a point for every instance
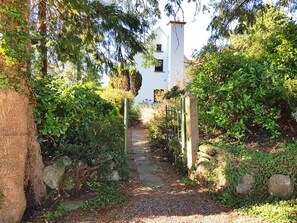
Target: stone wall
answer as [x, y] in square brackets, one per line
[210, 170]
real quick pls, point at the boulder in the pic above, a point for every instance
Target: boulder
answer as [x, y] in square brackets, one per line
[246, 185]
[204, 155]
[68, 184]
[202, 170]
[208, 149]
[63, 161]
[281, 186]
[202, 160]
[52, 175]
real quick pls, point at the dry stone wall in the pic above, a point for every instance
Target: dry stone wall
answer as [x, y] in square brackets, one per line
[210, 166]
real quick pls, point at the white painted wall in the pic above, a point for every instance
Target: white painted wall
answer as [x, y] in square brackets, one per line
[172, 40]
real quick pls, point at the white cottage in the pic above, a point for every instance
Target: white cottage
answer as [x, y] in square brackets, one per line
[169, 43]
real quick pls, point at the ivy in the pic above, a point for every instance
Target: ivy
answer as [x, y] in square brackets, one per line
[14, 45]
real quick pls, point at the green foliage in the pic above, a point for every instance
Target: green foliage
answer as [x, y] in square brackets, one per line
[52, 108]
[92, 35]
[261, 37]
[75, 121]
[237, 17]
[290, 91]
[262, 166]
[127, 79]
[157, 129]
[163, 132]
[14, 50]
[56, 214]
[271, 38]
[136, 81]
[187, 181]
[1, 198]
[174, 92]
[283, 211]
[117, 97]
[236, 95]
[106, 194]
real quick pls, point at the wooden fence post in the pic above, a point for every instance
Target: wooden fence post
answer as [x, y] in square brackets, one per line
[192, 129]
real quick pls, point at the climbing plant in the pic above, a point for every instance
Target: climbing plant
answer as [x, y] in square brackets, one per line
[14, 46]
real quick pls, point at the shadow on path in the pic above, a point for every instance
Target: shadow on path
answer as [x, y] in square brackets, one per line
[160, 197]
[155, 195]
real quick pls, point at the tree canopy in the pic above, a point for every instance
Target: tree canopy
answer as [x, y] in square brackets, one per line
[93, 35]
[228, 16]
[238, 15]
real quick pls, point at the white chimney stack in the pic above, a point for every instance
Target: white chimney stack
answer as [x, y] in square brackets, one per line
[176, 53]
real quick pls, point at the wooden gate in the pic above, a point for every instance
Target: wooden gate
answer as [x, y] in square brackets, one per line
[182, 132]
[175, 133]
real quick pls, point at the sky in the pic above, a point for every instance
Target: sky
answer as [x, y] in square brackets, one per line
[195, 30]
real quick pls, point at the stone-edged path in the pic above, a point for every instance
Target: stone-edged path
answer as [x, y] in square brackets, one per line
[155, 195]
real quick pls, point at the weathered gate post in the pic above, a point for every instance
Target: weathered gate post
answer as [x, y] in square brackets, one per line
[126, 123]
[183, 123]
[192, 129]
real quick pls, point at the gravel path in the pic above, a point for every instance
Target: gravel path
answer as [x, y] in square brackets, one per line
[156, 195]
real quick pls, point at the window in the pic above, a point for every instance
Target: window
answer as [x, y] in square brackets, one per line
[159, 67]
[159, 48]
[158, 95]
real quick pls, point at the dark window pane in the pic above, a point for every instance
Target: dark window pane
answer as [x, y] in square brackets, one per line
[159, 67]
[159, 47]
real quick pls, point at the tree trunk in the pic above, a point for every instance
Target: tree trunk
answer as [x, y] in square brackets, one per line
[20, 159]
[42, 29]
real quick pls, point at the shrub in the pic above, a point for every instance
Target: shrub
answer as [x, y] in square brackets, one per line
[163, 132]
[117, 97]
[157, 127]
[290, 93]
[51, 113]
[75, 121]
[237, 95]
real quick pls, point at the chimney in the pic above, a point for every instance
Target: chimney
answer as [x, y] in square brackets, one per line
[176, 53]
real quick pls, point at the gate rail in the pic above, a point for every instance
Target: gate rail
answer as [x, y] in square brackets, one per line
[176, 134]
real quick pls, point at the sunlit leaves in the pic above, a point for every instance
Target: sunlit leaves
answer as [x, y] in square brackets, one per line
[236, 95]
[96, 34]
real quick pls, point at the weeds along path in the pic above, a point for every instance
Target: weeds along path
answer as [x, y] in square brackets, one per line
[155, 194]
